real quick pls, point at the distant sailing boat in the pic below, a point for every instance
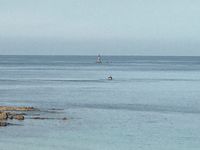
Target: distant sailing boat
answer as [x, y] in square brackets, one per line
[99, 59]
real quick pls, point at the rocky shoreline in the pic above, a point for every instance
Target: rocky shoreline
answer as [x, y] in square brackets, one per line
[8, 113]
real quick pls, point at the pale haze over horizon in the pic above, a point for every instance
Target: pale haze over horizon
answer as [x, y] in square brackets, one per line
[108, 27]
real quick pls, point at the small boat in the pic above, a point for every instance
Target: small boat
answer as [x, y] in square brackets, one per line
[99, 59]
[110, 78]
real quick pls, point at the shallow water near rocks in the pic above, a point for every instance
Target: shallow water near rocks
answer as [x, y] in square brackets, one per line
[151, 103]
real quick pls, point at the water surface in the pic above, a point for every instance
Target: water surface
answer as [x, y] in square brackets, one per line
[152, 103]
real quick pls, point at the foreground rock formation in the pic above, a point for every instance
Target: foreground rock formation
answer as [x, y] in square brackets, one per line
[18, 113]
[14, 108]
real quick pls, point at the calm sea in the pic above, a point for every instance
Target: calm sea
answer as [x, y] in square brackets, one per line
[152, 103]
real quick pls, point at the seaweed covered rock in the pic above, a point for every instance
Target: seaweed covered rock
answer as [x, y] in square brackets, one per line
[18, 117]
[13, 108]
[3, 116]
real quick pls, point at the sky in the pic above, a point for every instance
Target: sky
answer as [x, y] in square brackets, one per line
[108, 27]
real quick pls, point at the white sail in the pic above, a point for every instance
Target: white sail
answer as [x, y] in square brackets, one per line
[99, 59]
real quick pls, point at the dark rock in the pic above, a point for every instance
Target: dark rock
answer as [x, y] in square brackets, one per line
[64, 118]
[15, 116]
[40, 118]
[10, 117]
[3, 124]
[46, 118]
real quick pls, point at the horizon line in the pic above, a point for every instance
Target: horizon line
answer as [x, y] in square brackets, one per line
[100, 54]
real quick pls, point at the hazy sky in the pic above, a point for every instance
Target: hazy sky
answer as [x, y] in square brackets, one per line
[109, 27]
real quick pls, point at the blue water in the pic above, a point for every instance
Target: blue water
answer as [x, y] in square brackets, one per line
[152, 103]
